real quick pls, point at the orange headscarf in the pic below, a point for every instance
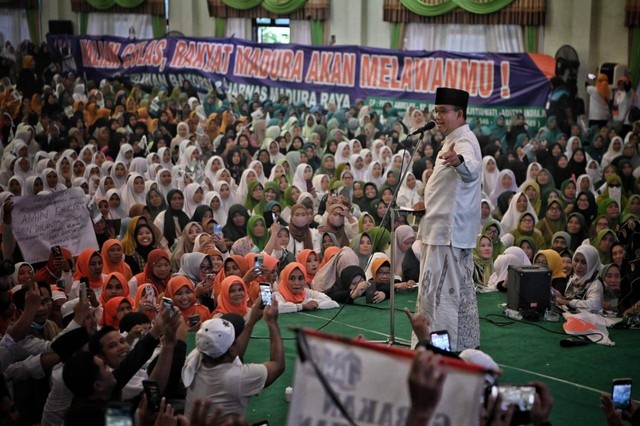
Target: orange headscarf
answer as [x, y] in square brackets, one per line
[121, 279]
[146, 276]
[602, 86]
[283, 287]
[377, 263]
[270, 263]
[178, 282]
[302, 258]
[217, 282]
[108, 267]
[82, 268]
[111, 310]
[328, 254]
[225, 306]
[141, 292]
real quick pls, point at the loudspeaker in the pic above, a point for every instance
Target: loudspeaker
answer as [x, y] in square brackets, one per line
[60, 27]
[528, 288]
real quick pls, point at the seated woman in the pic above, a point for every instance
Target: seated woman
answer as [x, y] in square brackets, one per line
[602, 242]
[293, 294]
[611, 278]
[115, 309]
[157, 272]
[147, 300]
[585, 290]
[233, 265]
[198, 268]
[330, 272]
[492, 229]
[351, 285]
[145, 242]
[309, 259]
[482, 262]
[233, 298]
[89, 267]
[526, 228]
[527, 245]
[498, 279]
[363, 248]
[381, 274]
[181, 291]
[551, 259]
[113, 259]
[115, 285]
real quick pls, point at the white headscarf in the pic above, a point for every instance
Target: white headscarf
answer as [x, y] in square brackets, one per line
[510, 219]
[489, 179]
[190, 205]
[128, 195]
[499, 189]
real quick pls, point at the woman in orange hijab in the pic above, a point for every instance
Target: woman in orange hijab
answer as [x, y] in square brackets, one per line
[115, 284]
[113, 259]
[89, 267]
[147, 300]
[233, 265]
[328, 254]
[293, 294]
[268, 273]
[157, 271]
[233, 298]
[180, 289]
[115, 309]
[311, 262]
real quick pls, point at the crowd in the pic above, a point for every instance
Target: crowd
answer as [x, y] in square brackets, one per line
[198, 199]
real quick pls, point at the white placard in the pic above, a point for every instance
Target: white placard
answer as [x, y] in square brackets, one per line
[57, 219]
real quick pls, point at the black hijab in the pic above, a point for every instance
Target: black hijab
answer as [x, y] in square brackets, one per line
[169, 230]
[230, 230]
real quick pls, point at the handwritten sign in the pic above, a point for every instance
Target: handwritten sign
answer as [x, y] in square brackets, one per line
[370, 381]
[56, 219]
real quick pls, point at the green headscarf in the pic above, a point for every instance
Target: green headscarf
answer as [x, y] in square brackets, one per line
[498, 246]
[380, 237]
[262, 241]
[483, 268]
[605, 256]
[252, 205]
[275, 187]
[361, 220]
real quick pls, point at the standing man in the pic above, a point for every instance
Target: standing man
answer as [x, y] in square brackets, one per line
[451, 225]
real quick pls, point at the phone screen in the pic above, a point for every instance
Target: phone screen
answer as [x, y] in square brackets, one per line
[168, 304]
[117, 417]
[520, 396]
[258, 265]
[265, 294]
[440, 339]
[621, 393]
[152, 391]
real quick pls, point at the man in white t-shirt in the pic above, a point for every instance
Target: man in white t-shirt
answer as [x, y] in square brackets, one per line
[214, 370]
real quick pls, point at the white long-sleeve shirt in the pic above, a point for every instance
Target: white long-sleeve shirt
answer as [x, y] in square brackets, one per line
[324, 302]
[452, 196]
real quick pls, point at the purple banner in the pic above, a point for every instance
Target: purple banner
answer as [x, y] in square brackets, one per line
[312, 74]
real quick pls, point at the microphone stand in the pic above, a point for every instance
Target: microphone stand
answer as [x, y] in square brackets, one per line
[391, 213]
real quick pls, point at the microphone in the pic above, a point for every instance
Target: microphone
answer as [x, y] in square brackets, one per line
[430, 125]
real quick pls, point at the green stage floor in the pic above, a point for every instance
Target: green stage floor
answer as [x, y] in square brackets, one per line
[576, 376]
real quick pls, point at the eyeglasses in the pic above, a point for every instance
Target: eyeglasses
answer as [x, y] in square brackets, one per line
[614, 185]
[443, 111]
[206, 268]
[556, 209]
[46, 300]
[541, 262]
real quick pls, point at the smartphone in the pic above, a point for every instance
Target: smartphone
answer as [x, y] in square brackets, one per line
[621, 393]
[520, 396]
[258, 264]
[440, 339]
[117, 416]
[56, 251]
[217, 230]
[265, 294]
[168, 304]
[193, 320]
[152, 391]
[269, 218]
[370, 292]
[84, 281]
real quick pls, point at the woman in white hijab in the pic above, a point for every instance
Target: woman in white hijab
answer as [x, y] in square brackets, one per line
[256, 166]
[247, 177]
[133, 192]
[585, 180]
[490, 174]
[125, 154]
[51, 181]
[22, 168]
[139, 165]
[193, 196]
[116, 209]
[519, 204]
[343, 153]
[358, 168]
[506, 182]
[408, 193]
[119, 173]
[214, 200]
[299, 180]
[227, 196]
[163, 178]
[584, 290]
[405, 236]
[614, 151]
[165, 157]
[374, 173]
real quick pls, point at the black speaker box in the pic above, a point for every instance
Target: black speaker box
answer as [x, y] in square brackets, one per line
[528, 288]
[60, 27]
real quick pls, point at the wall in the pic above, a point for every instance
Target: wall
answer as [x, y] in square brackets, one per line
[595, 28]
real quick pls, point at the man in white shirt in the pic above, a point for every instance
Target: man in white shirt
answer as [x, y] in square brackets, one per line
[450, 225]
